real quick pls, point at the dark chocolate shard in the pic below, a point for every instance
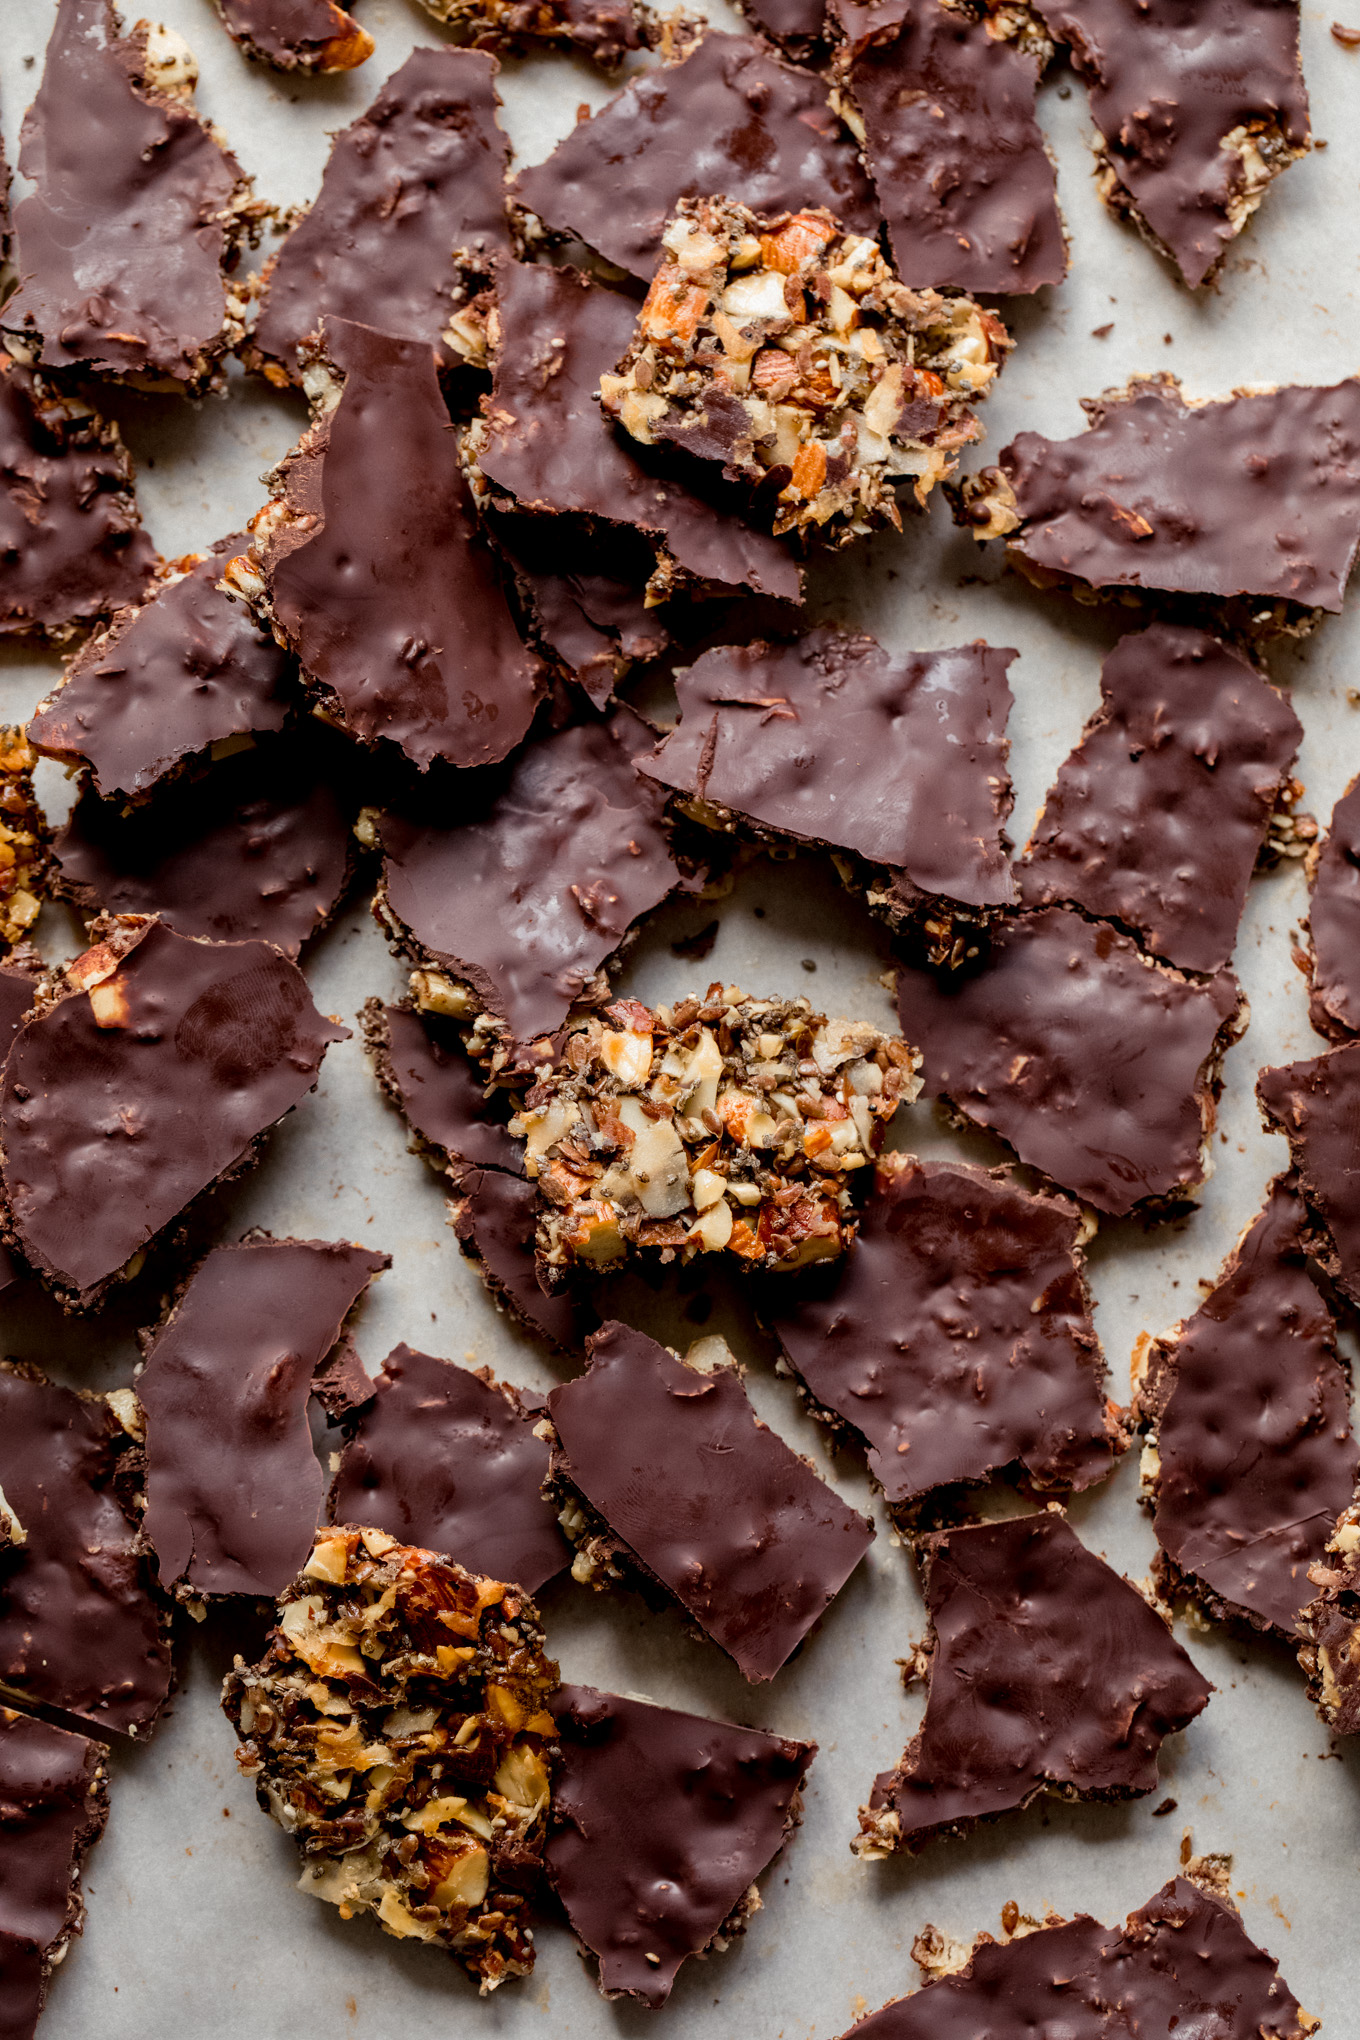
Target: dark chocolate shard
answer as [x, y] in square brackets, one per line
[296, 35]
[799, 27]
[898, 758]
[1330, 1626]
[135, 214]
[176, 675]
[1198, 109]
[1158, 817]
[662, 1822]
[1334, 921]
[411, 205]
[495, 1219]
[425, 1071]
[710, 1503]
[72, 547]
[597, 624]
[1252, 1456]
[1316, 1106]
[54, 1788]
[1097, 1066]
[958, 1336]
[1046, 1671]
[83, 1626]
[447, 1459]
[945, 99]
[233, 1486]
[152, 1072]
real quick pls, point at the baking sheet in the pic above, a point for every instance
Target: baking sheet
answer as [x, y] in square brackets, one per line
[194, 1925]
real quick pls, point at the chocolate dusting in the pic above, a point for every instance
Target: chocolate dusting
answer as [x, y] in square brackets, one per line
[296, 35]
[1316, 1106]
[1046, 1671]
[1334, 922]
[661, 1823]
[1253, 1458]
[55, 1791]
[233, 1486]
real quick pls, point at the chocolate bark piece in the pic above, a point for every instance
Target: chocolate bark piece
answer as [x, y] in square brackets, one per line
[604, 30]
[25, 839]
[1333, 925]
[55, 1790]
[943, 99]
[731, 119]
[72, 546]
[897, 758]
[595, 624]
[1330, 1626]
[544, 444]
[1097, 1066]
[1197, 111]
[957, 1338]
[1046, 1671]
[122, 246]
[1248, 495]
[233, 1486]
[411, 209]
[495, 1220]
[257, 847]
[693, 1493]
[83, 1626]
[1251, 1457]
[175, 675]
[447, 1458]
[151, 1071]
[392, 1660]
[661, 1824]
[786, 349]
[296, 35]
[432, 661]
[1316, 1106]
[1159, 816]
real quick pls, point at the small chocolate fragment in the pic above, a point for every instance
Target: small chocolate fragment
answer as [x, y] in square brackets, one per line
[1046, 1671]
[1251, 1457]
[661, 1824]
[136, 213]
[83, 1626]
[1334, 922]
[495, 1220]
[1316, 1106]
[447, 1458]
[180, 673]
[799, 27]
[150, 1072]
[1330, 1625]
[426, 1073]
[369, 565]
[957, 1338]
[1160, 814]
[72, 546]
[54, 1789]
[1198, 109]
[695, 1494]
[943, 100]
[411, 206]
[604, 30]
[296, 35]
[1097, 1066]
[233, 1487]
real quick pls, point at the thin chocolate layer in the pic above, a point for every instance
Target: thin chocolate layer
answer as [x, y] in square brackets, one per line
[55, 1793]
[1046, 1671]
[412, 201]
[173, 676]
[1159, 815]
[662, 1823]
[82, 1624]
[447, 1459]
[1249, 1410]
[296, 35]
[958, 1338]
[1316, 1106]
[155, 1071]
[495, 1218]
[1334, 921]
[957, 157]
[233, 1488]
[426, 1072]
[710, 1501]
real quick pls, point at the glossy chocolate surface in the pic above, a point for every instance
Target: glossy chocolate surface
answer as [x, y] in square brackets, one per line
[1316, 1106]
[1334, 921]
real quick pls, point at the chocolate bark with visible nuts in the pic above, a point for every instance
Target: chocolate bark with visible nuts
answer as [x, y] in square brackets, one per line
[135, 214]
[412, 203]
[957, 1338]
[1316, 1106]
[731, 119]
[944, 98]
[709, 1503]
[233, 1486]
[447, 1458]
[596, 624]
[1098, 1067]
[25, 840]
[604, 30]
[1046, 1671]
[1198, 109]
[83, 1626]
[297, 35]
[1251, 1458]
[1330, 1626]
[495, 1221]
[799, 27]
[1157, 819]
[1334, 922]
[662, 1822]
[55, 1791]
[151, 1071]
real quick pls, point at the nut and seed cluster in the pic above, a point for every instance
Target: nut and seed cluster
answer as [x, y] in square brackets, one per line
[23, 837]
[398, 1728]
[794, 345]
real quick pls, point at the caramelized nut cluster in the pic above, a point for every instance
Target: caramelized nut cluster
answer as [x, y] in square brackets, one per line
[788, 349]
[398, 1728]
[23, 838]
[728, 1123]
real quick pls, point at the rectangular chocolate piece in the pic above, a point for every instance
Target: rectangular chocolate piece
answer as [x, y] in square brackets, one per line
[1333, 926]
[313, 36]
[55, 1793]
[1316, 1106]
